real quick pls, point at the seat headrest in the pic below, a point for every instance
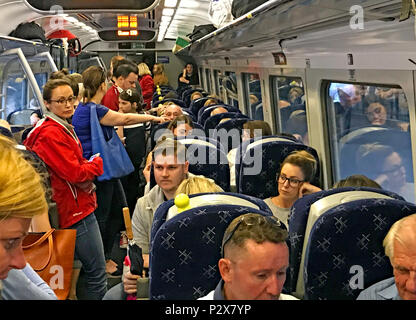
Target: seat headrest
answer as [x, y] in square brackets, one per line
[212, 199]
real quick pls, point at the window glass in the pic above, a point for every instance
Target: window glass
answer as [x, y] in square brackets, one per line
[201, 72]
[217, 80]
[208, 80]
[253, 96]
[229, 85]
[290, 107]
[369, 134]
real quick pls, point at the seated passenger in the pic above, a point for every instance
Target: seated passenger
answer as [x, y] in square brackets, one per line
[172, 111]
[298, 126]
[22, 197]
[218, 111]
[181, 126]
[295, 95]
[251, 129]
[254, 260]
[196, 95]
[400, 246]
[211, 101]
[384, 165]
[296, 172]
[356, 180]
[170, 169]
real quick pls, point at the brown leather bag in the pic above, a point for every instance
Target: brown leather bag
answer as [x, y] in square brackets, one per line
[51, 255]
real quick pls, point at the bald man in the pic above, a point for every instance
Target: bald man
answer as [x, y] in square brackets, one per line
[218, 111]
[400, 247]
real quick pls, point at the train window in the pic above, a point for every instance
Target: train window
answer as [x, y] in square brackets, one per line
[290, 113]
[208, 80]
[217, 80]
[253, 96]
[369, 134]
[202, 79]
[229, 85]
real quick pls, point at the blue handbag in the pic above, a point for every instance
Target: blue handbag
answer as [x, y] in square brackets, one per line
[116, 161]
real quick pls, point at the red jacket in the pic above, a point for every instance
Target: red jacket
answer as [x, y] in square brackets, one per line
[62, 153]
[147, 85]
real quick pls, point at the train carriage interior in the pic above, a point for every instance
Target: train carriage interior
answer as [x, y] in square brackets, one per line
[334, 78]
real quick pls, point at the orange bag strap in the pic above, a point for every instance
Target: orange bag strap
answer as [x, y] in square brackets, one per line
[47, 235]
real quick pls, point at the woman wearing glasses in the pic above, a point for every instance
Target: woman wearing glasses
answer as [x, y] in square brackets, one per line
[296, 173]
[55, 142]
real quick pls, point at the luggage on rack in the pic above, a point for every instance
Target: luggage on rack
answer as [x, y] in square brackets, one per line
[241, 7]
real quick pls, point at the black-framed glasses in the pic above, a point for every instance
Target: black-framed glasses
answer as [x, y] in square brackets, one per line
[252, 220]
[292, 181]
[63, 101]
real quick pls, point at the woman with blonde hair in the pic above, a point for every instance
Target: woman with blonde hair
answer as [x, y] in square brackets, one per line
[147, 84]
[159, 76]
[197, 184]
[22, 197]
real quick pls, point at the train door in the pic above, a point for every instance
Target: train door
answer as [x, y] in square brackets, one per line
[21, 93]
[363, 125]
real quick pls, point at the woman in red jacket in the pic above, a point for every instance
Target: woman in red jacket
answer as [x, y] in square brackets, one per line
[55, 142]
[147, 84]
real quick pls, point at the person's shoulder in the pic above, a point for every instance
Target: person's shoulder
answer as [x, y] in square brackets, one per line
[209, 296]
[382, 290]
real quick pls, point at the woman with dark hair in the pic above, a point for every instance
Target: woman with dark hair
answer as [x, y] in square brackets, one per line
[296, 172]
[134, 137]
[56, 143]
[94, 80]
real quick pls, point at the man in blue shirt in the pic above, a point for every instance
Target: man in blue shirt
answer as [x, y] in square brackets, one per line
[400, 247]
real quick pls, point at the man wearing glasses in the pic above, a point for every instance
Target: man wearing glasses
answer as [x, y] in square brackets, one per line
[254, 260]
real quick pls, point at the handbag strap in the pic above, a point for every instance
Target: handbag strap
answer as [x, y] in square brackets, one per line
[47, 235]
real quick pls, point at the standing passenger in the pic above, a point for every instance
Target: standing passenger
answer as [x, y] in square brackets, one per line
[147, 84]
[56, 143]
[159, 76]
[109, 205]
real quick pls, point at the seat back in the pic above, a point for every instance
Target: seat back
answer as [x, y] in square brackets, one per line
[301, 222]
[21, 117]
[205, 112]
[228, 133]
[186, 248]
[214, 120]
[261, 161]
[175, 101]
[345, 253]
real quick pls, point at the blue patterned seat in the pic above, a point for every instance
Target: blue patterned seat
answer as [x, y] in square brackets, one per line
[228, 133]
[175, 101]
[205, 112]
[155, 135]
[345, 254]
[214, 120]
[197, 104]
[256, 172]
[205, 158]
[186, 248]
[300, 223]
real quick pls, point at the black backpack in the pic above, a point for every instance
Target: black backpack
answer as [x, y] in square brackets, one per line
[201, 31]
[29, 31]
[241, 7]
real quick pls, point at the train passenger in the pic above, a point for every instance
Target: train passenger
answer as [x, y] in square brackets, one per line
[385, 166]
[22, 197]
[400, 246]
[254, 260]
[356, 180]
[251, 129]
[188, 76]
[218, 111]
[296, 172]
[212, 99]
[196, 95]
[125, 76]
[181, 126]
[159, 76]
[170, 169]
[135, 141]
[56, 143]
[94, 90]
[298, 126]
[172, 111]
[146, 83]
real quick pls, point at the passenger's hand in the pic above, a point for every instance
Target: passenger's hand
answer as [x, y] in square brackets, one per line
[130, 283]
[308, 188]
